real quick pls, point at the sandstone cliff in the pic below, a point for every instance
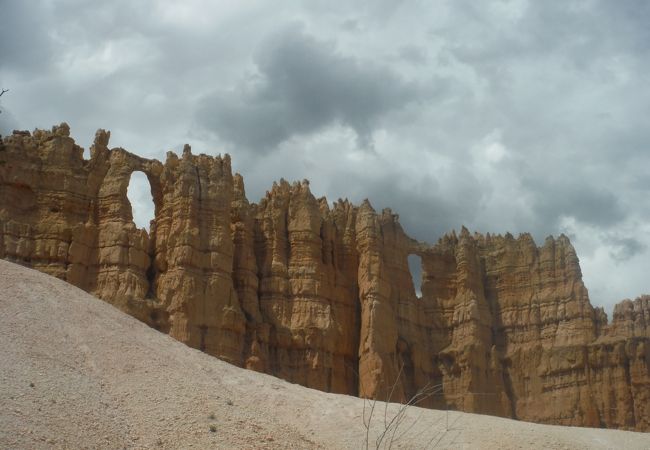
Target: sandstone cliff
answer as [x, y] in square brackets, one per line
[320, 294]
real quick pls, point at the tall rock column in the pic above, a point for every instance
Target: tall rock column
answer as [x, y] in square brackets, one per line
[378, 367]
[304, 295]
[245, 278]
[43, 197]
[194, 254]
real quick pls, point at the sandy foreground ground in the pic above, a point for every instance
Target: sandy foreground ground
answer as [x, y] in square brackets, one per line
[77, 373]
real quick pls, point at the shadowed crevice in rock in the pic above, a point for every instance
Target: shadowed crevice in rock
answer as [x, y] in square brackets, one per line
[322, 294]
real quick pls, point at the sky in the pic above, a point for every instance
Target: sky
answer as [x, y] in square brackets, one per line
[502, 116]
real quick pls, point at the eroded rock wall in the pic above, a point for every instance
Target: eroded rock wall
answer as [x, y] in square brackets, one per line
[306, 288]
[321, 294]
[71, 218]
[523, 339]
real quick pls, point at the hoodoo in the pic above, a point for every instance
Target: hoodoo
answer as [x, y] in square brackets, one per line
[321, 294]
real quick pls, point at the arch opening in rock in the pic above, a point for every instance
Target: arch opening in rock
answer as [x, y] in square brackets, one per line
[141, 198]
[415, 267]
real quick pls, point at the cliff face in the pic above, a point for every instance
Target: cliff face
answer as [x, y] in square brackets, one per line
[520, 325]
[321, 294]
[72, 219]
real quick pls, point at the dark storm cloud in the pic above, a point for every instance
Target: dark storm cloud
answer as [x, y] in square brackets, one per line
[24, 41]
[582, 31]
[624, 248]
[303, 85]
[424, 217]
[591, 205]
[499, 115]
[412, 54]
[425, 211]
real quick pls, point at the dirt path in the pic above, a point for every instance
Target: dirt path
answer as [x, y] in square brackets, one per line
[77, 373]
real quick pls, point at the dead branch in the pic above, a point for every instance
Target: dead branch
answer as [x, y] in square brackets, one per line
[1, 93]
[393, 429]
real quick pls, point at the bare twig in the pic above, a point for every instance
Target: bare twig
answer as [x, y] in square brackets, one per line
[422, 394]
[427, 391]
[1, 93]
[392, 430]
[390, 395]
[444, 433]
[366, 423]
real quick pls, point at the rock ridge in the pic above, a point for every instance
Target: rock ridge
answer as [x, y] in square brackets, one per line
[321, 294]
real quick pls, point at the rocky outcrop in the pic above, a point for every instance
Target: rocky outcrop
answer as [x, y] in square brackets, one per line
[71, 218]
[631, 318]
[525, 339]
[306, 288]
[321, 294]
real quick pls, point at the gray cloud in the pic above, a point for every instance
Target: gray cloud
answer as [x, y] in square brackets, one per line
[424, 213]
[8, 122]
[498, 115]
[301, 86]
[24, 43]
[625, 248]
[412, 54]
[555, 199]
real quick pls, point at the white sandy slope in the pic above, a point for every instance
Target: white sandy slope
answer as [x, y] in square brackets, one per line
[77, 373]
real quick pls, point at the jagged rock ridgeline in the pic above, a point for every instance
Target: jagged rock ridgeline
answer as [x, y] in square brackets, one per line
[321, 294]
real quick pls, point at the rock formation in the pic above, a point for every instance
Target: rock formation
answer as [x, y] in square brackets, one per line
[321, 294]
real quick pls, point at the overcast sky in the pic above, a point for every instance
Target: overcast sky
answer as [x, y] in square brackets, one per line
[500, 116]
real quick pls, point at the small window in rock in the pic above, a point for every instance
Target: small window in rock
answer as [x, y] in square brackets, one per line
[139, 194]
[415, 267]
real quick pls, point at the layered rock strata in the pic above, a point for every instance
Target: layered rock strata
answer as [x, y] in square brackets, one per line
[321, 294]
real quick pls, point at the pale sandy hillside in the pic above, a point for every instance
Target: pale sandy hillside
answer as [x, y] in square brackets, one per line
[77, 373]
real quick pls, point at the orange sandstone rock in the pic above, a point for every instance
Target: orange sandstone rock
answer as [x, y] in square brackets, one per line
[321, 294]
